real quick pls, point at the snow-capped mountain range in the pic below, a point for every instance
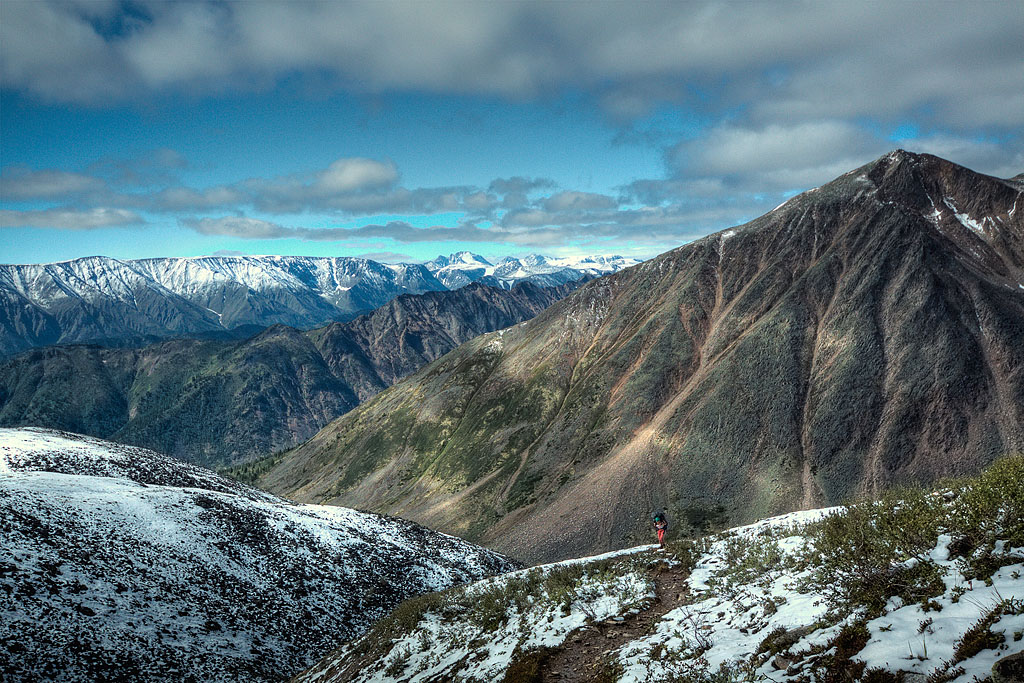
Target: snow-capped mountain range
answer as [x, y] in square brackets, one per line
[461, 268]
[121, 563]
[110, 301]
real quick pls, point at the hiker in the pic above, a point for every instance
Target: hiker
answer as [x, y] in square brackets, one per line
[661, 526]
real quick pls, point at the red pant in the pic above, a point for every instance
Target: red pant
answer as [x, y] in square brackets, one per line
[661, 536]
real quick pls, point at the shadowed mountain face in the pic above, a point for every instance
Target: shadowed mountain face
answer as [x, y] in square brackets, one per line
[864, 334]
[217, 402]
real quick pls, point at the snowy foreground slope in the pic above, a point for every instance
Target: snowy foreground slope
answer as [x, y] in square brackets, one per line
[120, 563]
[926, 587]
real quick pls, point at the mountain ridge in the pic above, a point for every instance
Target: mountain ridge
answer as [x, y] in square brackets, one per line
[132, 302]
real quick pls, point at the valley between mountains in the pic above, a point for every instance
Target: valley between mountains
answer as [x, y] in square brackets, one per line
[220, 402]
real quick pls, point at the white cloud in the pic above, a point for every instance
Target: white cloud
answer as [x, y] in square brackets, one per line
[734, 149]
[24, 184]
[69, 219]
[239, 226]
[772, 158]
[356, 174]
[782, 61]
[578, 201]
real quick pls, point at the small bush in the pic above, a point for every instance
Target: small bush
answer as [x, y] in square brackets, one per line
[993, 504]
[838, 666]
[874, 551]
[490, 608]
[980, 636]
[780, 640]
[687, 552]
[877, 675]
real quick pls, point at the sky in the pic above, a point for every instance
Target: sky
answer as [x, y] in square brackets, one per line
[403, 130]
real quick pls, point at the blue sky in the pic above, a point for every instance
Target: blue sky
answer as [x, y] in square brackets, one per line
[402, 130]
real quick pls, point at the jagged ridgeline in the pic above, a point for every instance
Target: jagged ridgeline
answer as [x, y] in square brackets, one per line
[220, 402]
[107, 301]
[863, 334]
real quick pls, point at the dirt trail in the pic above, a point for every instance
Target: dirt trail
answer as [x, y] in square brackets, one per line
[581, 656]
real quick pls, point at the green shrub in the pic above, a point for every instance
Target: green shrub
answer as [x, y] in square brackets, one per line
[490, 608]
[687, 552]
[980, 636]
[404, 619]
[877, 675]
[838, 665]
[993, 501]
[779, 640]
[863, 552]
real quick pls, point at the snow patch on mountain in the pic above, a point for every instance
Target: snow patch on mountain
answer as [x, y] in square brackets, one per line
[965, 220]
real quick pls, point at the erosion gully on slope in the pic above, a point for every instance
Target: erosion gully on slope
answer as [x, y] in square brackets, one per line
[586, 650]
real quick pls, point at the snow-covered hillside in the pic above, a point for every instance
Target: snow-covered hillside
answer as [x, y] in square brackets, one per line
[118, 563]
[925, 587]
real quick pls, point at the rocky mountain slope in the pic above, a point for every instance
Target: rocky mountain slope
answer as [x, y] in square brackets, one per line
[921, 588]
[862, 335]
[124, 303]
[123, 564]
[218, 402]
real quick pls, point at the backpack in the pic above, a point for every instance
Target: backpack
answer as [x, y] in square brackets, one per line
[660, 518]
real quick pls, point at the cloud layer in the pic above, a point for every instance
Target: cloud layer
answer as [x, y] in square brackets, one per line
[789, 59]
[782, 96]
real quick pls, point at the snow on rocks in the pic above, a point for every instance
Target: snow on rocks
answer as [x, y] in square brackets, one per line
[120, 563]
[965, 220]
[460, 269]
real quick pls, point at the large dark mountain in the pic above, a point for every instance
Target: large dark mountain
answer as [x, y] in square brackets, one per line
[220, 402]
[123, 564]
[865, 334]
